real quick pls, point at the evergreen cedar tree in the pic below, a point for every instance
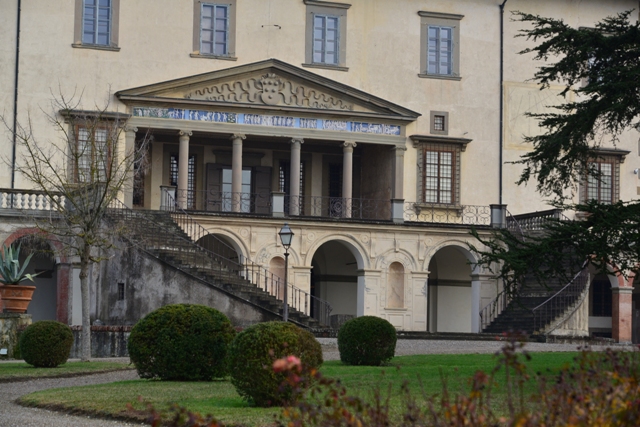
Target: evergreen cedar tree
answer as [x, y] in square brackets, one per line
[600, 68]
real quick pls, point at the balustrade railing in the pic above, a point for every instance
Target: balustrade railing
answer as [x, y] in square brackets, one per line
[247, 269]
[438, 213]
[534, 221]
[338, 207]
[30, 200]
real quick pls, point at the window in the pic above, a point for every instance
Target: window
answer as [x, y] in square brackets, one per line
[96, 24]
[228, 198]
[439, 169]
[439, 122]
[440, 47]
[214, 29]
[602, 180]
[191, 177]
[92, 155]
[326, 34]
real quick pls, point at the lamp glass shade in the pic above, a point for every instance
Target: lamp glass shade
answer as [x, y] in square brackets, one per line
[286, 235]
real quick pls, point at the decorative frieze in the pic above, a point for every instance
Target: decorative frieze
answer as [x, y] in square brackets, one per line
[266, 120]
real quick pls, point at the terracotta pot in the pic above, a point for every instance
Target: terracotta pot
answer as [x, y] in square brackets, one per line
[16, 298]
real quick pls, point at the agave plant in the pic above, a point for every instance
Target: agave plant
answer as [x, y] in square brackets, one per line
[10, 271]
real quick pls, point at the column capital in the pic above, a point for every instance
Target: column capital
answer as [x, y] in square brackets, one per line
[399, 149]
[184, 132]
[349, 145]
[236, 136]
[129, 128]
[299, 141]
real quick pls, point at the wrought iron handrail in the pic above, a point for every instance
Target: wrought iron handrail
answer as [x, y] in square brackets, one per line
[338, 207]
[490, 311]
[259, 276]
[556, 304]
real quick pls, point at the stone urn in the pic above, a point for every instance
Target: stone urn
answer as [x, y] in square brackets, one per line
[16, 298]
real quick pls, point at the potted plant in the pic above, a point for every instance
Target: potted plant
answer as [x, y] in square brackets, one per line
[15, 297]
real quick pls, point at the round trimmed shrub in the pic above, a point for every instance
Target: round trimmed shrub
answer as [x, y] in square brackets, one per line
[181, 342]
[367, 340]
[46, 344]
[253, 352]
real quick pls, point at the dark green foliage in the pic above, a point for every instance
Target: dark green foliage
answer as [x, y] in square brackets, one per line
[181, 342]
[367, 340]
[255, 349]
[600, 71]
[601, 67]
[46, 344]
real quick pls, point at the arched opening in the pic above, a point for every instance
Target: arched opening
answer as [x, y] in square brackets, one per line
[334, 279]
[449, 292]
[228, 255]
[44, 303]
[395, 286]
[600, 306]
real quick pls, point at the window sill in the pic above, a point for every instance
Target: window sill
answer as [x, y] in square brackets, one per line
[326, 67]
[96, 47]
[439, 76]
[395, 309]
[223, 57]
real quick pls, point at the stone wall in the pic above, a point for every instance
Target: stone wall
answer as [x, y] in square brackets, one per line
[132, 283]
[10, 325]
[106, 341]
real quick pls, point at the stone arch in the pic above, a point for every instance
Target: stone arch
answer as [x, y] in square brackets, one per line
[402, 256]
[460, 245]
[354, 246]
[61, 277]
[452, 302]
[266, 253]
[233, 239]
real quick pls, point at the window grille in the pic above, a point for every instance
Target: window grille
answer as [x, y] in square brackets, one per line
[602, 182]
[191, 177]
[92, 154]
[439, 172]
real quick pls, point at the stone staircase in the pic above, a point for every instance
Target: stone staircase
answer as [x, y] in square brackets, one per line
[157, 233]
[535, 308]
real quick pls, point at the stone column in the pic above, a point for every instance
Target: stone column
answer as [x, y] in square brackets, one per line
[183, 169]
[476, 285]
[294, 183]
[397, 196]
[129, 150]
[621, 319]
[347, 176]
[236, 172]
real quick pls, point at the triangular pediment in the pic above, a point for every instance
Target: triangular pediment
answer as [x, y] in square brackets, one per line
[271, 85]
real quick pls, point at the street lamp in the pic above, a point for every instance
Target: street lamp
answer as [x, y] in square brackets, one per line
[286, 236]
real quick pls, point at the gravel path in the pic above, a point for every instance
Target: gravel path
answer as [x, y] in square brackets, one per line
[13, 415]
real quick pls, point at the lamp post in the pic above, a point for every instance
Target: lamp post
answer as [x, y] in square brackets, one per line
[286, 235]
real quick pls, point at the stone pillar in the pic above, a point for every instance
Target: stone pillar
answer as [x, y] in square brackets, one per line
[347, 176]
[398, 172]
[476, 285]
[294, 176]
[63, 281]
[183, 168]
[236, 172]
[129, 150]
[277, 204]
[621, 319]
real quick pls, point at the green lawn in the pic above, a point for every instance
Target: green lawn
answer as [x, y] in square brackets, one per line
[17, 371]
[219, 398]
